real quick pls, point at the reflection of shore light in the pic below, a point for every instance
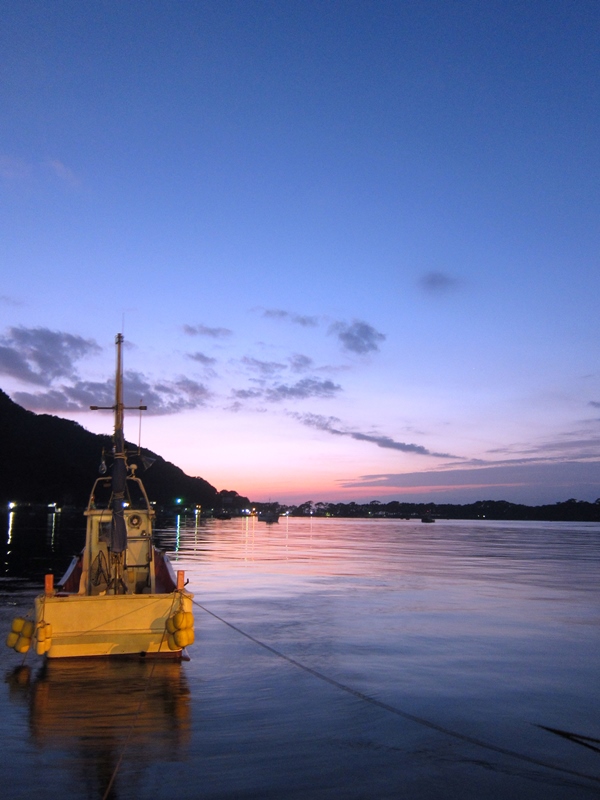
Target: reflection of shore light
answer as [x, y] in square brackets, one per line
[51, 525]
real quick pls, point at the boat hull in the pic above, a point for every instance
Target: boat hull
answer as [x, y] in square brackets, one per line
[110, 625]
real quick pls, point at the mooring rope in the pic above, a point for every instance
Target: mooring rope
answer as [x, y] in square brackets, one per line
[397, 711]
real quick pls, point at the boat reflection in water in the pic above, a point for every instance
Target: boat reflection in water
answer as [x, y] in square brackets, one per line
[107, 717]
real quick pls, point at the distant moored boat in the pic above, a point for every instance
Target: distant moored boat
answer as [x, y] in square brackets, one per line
[269, 516]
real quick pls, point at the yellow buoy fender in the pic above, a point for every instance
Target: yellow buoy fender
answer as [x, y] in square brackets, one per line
[12, 639]
[28, 629]
[171, 642]
[171, 625]
[182, 637]
[17, 624]
[43, 635]
[180, 629]
[23, 644]
[179, 620]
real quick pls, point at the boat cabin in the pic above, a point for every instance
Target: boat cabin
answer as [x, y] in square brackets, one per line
[142, 569]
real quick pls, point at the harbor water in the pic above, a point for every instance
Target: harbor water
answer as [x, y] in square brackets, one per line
[334, 658]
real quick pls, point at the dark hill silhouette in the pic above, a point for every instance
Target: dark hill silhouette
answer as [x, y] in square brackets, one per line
[47, 459]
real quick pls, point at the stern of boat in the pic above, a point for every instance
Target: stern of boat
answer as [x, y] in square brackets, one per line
[109, 625]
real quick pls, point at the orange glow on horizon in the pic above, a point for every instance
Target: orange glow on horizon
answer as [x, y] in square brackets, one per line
[347, 494]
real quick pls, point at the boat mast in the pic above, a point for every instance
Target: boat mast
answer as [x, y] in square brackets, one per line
[118, 533]
[119, 471]
[119, 438]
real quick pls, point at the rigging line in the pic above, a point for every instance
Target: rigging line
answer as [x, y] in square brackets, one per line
[576, 738]
[397, 711]
[135, 716]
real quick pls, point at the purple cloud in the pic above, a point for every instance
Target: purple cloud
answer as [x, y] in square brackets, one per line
[298, 319]
[165, 397]
[332, 425]
[357, 337]
[438, 282]
[40, 356]
[204, 330]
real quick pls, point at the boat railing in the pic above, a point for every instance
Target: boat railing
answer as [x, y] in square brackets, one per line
[135, 495]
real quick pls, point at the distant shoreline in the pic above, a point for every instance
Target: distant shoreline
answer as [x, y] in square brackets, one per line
[497, 510]
[568, 511]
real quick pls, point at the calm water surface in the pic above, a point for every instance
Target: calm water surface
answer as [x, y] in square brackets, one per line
[471, 635]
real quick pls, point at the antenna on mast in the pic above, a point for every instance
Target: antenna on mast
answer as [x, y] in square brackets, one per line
[141, 407]
[119, 405]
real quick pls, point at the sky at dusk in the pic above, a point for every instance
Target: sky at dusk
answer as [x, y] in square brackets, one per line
[353, 246]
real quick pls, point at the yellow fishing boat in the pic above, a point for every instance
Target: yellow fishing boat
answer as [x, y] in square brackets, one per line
[120, 596]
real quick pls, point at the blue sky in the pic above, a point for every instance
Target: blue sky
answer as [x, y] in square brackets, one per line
[353, 245]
